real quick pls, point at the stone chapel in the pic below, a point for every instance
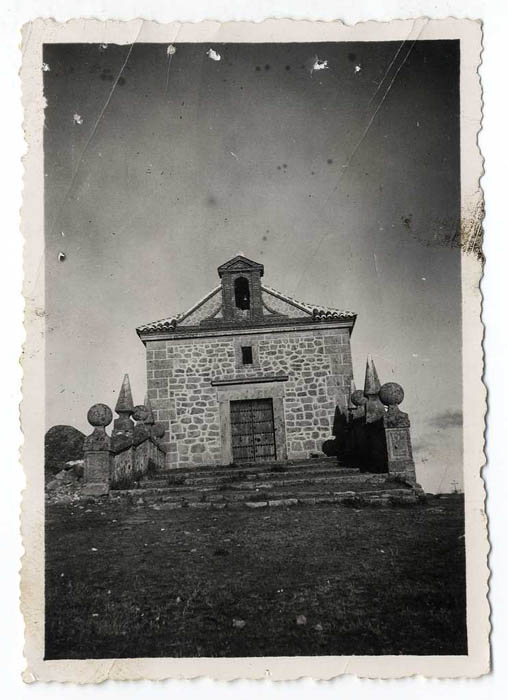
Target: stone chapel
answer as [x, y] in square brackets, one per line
[247, 374]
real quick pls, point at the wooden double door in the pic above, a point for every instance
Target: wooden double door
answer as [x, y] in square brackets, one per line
[253, 431]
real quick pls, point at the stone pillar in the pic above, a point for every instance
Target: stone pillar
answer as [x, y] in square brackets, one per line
[97, 448]
[374, 414]
[349, 412]
[357, 431]
[398, 437]
[157, 431]
[141, 430]
[339, 445]
[350, 405]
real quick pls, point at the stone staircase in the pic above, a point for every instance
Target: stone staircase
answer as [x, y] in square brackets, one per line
[308, 482]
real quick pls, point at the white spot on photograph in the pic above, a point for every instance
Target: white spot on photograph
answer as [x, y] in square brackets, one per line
[318, 64]
[213, 55]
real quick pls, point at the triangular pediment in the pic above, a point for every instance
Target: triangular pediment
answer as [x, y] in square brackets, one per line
[240, 264]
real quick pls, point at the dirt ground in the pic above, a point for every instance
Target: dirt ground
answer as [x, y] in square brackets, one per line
[127, 581]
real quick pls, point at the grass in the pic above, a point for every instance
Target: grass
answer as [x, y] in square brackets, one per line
[127, 581]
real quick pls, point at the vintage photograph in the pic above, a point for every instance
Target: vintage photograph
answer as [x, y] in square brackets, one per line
[253, 327]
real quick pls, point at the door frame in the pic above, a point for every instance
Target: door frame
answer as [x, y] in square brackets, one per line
[244, 392]
[269, 409]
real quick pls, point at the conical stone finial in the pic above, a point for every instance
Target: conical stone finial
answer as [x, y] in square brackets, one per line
[125, 404]
[374, 409]
[372, 383]
[149, 420]
[123, 426]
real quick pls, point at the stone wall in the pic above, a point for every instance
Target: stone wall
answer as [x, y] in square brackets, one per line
[134, 449]
[316, 362]
[123, 466]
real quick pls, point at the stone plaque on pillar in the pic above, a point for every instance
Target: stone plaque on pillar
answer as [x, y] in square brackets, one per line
[398, 437]
[97, 448]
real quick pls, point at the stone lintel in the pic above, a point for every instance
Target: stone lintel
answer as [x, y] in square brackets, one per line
[250, 380]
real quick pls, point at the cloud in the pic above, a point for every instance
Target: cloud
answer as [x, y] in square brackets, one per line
[447, 419]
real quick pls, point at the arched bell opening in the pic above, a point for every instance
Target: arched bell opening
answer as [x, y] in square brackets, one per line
[242, 293]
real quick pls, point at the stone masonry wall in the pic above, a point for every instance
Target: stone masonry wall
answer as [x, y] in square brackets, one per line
[179, 374]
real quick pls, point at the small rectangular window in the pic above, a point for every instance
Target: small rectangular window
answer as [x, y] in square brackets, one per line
[247, 355]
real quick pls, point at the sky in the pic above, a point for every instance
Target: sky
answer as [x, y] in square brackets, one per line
[336, 165]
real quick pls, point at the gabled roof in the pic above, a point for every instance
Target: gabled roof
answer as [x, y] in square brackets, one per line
[313, 311]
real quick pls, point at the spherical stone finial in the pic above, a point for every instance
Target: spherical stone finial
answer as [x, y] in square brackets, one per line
[358, 398]
[140, 413]
[99, 415]
[158, 430]
[391, 394]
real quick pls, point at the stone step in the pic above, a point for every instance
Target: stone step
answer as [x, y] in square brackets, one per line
[349, 482]
[254, 489]
[240, 476]
[274, 468]
[205, 470]
[275, 494]
[382, 496]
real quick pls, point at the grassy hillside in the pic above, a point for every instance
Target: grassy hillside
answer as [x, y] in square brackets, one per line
[126, 581]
